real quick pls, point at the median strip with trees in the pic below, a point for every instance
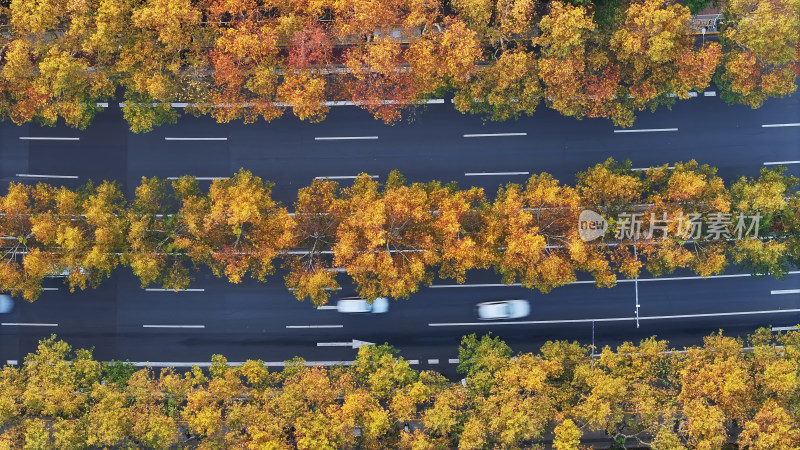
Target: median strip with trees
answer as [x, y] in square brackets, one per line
[394, 237]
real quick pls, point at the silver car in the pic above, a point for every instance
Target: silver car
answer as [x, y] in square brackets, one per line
[360, 305]
[6, 304]
[503, 309]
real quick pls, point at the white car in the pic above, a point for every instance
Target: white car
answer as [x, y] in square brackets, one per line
[65, 273]
[6, 304]
[360, 305]
[503, 309]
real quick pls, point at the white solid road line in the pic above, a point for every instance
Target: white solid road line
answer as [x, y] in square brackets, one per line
[17, 324]
[48, 138]
[785, 291]
[173, 290]
[195, 139]
[30, 175]
[342, 177]
[237, 364]
[615, 319]
[344, 138]
[780, 125]
[173, 326]
[624, 280]
[481, 174]
[494, 135]
[201, 178]
[355, 343]
[181, 364]
[326, 307]
[776, 163]
[646, 130]
[314, 326]
[639, 169]
[784, 328]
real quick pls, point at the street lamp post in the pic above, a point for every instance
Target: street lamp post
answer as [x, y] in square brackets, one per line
[636, 284]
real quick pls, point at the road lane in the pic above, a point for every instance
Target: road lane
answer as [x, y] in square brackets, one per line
[253, 320]
[430, 147]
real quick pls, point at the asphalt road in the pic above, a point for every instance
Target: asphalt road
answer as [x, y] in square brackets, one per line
[249, 321]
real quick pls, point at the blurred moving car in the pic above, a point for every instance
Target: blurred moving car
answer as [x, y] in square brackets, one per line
[360, 305]
[65, 273]
[6, 304]
[503, 309]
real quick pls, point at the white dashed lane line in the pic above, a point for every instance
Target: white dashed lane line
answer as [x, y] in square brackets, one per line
[344, 138]
[48, 138]
[173, 290]
[780, 163]
[646, 130]
[494, 135]
[485, 174]
[343, 177]
[195, 139]
[31, 175]
[780, 125]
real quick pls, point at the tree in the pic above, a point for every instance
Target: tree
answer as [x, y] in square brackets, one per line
[578, 79]
[160, 62]
[677, 193]
[630, 392]
[609, 189]
[568, 436]
[480, 359]
[654, 48]
[58, 380]
[767, 250]
[159, 243]
[108, 418]
[519, 408]
[498, 20]
[369, 18]
[305, 85]
[385, 239]
[12, 386]
[27, 259]
[152, 424]
[772, 427]
[86, 230]
[438, 59]
[461, 216]
[244, 56]
[761, 60]
[47, 70]
[506, 89]
[528, 231]
[244, 230]
[716, 385]
[376, 81]
[315, 224]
